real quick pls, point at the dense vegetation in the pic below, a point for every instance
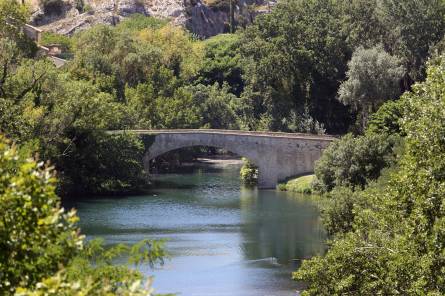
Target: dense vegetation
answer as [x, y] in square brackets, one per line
[42, 250]
[370, 69]
[387, 238]
[282, 73]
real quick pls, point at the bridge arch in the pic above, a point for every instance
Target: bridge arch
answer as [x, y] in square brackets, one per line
[277, 155]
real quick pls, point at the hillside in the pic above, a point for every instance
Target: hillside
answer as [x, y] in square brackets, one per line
[204, 18]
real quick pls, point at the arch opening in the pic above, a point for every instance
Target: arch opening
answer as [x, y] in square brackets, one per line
[188, 159]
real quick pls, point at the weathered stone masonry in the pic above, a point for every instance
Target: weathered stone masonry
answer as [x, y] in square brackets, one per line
[277, 155]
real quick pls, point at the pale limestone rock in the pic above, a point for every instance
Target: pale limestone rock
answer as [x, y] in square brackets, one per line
[195, 15]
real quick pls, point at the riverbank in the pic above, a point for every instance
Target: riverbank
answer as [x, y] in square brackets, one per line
[223, 238]
[302, 184]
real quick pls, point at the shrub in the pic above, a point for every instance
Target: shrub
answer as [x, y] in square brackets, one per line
[387, 118]
[353, 161]
[249, 173]
[36, 235]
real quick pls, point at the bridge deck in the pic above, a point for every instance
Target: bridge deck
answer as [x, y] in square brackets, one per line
[232, 132]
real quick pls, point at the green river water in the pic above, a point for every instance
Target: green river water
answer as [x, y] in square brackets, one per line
[223, 239]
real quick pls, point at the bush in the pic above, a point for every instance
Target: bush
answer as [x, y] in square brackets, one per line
[337, 210]
[353, 161]
[41, 250]
[54, 38]
[104, 164]
[396, 245]
[36, 235]
[249, 173]
[387, 118]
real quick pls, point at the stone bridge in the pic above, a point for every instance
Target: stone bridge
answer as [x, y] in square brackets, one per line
[277, 155]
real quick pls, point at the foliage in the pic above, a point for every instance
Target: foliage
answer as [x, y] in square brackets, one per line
[36, 234]
[249, 173]
[138, 22]
[337, 210]
[49, 38]
[13, 16]
[411, 28]
[407, 29]
[216, 106]
[222, 63]
[295, 57]
[42, 252]
[297, 54]
[60, 285]
[395, 244]
[354, 161]
[99, 163]
[388, 118]
[281, 73]
[179, 51]
[373, 77]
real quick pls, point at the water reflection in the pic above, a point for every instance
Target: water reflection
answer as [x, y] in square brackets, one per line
[279, 225]
[224, 240]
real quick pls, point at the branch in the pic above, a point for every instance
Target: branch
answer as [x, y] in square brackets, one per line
[67, 147]
[3, 79]
[28, 89]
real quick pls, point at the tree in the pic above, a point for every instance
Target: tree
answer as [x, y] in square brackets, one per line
[36, 234]
[41, 249]
[353, 162]
[249, 173]
[294, 58]
[395, 246]
[222, 62]
[216, 106]
[388, 118]
[407, 29]
[411, 28]
[103, 164]
[13, 17]
[372, 78]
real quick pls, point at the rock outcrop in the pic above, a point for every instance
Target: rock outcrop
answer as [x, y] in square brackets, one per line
[204, 18]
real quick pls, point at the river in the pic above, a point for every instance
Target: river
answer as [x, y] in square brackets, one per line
[223, 239]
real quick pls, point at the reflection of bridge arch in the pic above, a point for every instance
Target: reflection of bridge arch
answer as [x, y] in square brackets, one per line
[277, 155]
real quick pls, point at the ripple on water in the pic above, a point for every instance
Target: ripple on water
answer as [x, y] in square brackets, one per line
[223, 240]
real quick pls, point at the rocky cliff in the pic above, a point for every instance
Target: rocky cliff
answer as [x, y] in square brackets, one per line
[203, 17]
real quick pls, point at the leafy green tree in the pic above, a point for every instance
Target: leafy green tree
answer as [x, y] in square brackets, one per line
[42, 251]
[407, 29]
[215, 103]
[353, 162]
[388, 118]
[13, 16]
[36, 234]
[103, 164]
[395, 245]
[361, 23]
[222, 62]
[411, 28]
[294, 58]
[372, 78]
[337, 210]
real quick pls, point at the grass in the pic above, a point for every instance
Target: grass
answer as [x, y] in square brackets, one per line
[301, 184]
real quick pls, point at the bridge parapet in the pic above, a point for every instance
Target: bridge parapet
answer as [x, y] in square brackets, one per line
[277, 155]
